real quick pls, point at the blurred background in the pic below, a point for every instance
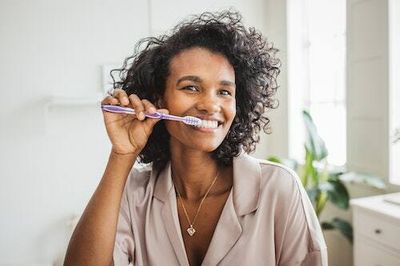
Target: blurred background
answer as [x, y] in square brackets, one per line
[340, 61]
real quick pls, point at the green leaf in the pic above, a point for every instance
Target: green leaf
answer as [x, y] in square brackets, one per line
[367, 179]
[324, 173]
[338, 194]
[326, 186]
[344, 227]
[315, 175]
[321, 201]
[313, 194]
[274, 159]
[336, 172]
[327, 226]
[291, 163]
[314, 143]
[308, 169]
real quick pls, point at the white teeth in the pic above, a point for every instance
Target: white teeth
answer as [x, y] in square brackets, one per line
[209, 124]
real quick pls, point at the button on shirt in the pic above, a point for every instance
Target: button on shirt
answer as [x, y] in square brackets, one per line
[267, 220]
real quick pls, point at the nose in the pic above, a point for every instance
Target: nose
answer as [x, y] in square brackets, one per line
[208, 103]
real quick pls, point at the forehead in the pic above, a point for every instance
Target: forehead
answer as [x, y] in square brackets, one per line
[201, 62]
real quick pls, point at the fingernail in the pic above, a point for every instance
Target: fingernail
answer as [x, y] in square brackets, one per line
[141, 115]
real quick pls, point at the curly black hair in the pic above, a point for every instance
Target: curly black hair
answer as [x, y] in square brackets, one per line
[251, 56]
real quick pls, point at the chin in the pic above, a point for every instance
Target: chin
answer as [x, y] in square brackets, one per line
[205, 147]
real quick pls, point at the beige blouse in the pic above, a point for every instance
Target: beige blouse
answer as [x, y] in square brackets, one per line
[267, 220]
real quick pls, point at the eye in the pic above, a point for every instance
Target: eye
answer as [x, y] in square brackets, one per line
[225, 93]
[190, 88]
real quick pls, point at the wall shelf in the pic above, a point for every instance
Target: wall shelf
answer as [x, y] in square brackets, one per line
[54, 102]
[57, 101]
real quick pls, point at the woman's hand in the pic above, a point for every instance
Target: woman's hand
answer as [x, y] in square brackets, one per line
[129, 133]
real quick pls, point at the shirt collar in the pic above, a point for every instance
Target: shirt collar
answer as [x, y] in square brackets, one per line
[246, 184]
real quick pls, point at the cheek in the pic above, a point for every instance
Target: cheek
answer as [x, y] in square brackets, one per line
[174, 129]
[232, 111]
[175, 103]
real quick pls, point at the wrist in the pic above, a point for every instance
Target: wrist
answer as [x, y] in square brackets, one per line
[122, 154]
[118, 166]
[125, 158]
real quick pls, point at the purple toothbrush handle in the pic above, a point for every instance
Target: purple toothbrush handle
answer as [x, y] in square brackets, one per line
[117, 109]
[126, 110]
[157, 115]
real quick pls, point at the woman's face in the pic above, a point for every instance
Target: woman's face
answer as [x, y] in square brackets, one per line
[201, 84]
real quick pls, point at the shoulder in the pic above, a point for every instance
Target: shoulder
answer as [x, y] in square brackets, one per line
[276, 167]
[282, 187]
[283, 196]
[265, 175]
[280, 177]
[271, 182]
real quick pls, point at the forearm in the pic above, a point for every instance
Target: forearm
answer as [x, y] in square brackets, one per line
[92, 242]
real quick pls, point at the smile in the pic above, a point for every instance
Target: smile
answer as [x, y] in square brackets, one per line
[207, 126]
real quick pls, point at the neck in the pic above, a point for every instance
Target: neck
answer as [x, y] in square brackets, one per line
[193, 172]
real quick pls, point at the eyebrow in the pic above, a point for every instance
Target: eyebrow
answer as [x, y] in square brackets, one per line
[199, 80]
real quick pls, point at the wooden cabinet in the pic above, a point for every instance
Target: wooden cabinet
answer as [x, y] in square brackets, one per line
[376, 223]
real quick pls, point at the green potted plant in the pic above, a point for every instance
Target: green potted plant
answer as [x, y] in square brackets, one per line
[323, 185]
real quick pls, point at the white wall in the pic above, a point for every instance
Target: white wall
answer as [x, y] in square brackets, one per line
[276, 30]
[50, 167]
[51, 161]
[394, 84]
[368, 86]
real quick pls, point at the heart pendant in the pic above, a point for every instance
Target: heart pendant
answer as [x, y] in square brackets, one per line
[191, 231]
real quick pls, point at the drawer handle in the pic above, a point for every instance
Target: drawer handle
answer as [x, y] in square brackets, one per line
[378, 231]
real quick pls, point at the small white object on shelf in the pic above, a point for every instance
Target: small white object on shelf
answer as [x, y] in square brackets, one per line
[91, 101]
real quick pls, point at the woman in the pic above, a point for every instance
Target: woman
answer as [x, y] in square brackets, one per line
[200, 199]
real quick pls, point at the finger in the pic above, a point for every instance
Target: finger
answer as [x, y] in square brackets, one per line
[138, 105]
[148, 106]
[151, 122]
[164, 111]
[110, 100]
[122, 97]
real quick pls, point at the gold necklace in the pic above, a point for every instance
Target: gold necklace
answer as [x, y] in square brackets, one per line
[191, 229]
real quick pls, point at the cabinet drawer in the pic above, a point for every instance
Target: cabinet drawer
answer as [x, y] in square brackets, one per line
[367, 255]
[378, 229]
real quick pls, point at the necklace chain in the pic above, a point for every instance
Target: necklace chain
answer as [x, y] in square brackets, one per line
[191, 229]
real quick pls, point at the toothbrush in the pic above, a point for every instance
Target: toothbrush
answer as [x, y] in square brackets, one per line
[189, 120]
